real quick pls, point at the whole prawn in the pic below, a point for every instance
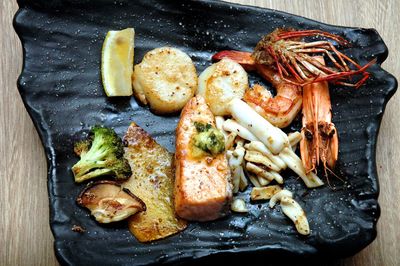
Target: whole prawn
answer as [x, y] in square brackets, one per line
[319, 135]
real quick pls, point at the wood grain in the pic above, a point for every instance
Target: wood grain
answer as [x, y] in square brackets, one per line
[25, 236]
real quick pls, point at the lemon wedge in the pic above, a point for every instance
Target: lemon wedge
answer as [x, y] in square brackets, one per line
[117, 62]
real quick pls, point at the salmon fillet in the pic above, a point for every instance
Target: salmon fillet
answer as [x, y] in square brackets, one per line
[152, 181]
[203, 187]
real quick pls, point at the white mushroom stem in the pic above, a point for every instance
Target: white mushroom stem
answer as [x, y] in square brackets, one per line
[239, 142]
[272, 176]
[258, 157]
[278, 178]
[263, 181]
[230, 140]
[235, 160]
[251, 167]
[219, 121]
[294, 139]
[253, 179]
[236, 180]
[232, 126]
[264, 193]
[243, 183]
[239, 151]
[238, 205]
[294, 162]
[274, 138]
[290, 208]
[260, 147]
[278, 196]
[295, 213]
[264, 176]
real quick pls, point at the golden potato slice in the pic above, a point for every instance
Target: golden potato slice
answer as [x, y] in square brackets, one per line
[153, 182]
[165, 79]
[220, 83]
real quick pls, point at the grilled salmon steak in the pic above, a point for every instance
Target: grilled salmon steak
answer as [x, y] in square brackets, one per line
[203, 189]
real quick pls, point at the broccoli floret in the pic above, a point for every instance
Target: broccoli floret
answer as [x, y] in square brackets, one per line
[102, 154]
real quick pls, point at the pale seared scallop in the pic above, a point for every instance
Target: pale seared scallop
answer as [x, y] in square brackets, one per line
[220, 83]
[165, 79]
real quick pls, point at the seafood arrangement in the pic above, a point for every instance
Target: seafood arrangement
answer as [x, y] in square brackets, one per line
[229, 136]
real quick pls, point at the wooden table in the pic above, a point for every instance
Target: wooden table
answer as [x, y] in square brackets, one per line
[25, 236]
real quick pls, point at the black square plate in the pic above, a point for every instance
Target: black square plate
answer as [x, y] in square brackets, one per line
[61, 87]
